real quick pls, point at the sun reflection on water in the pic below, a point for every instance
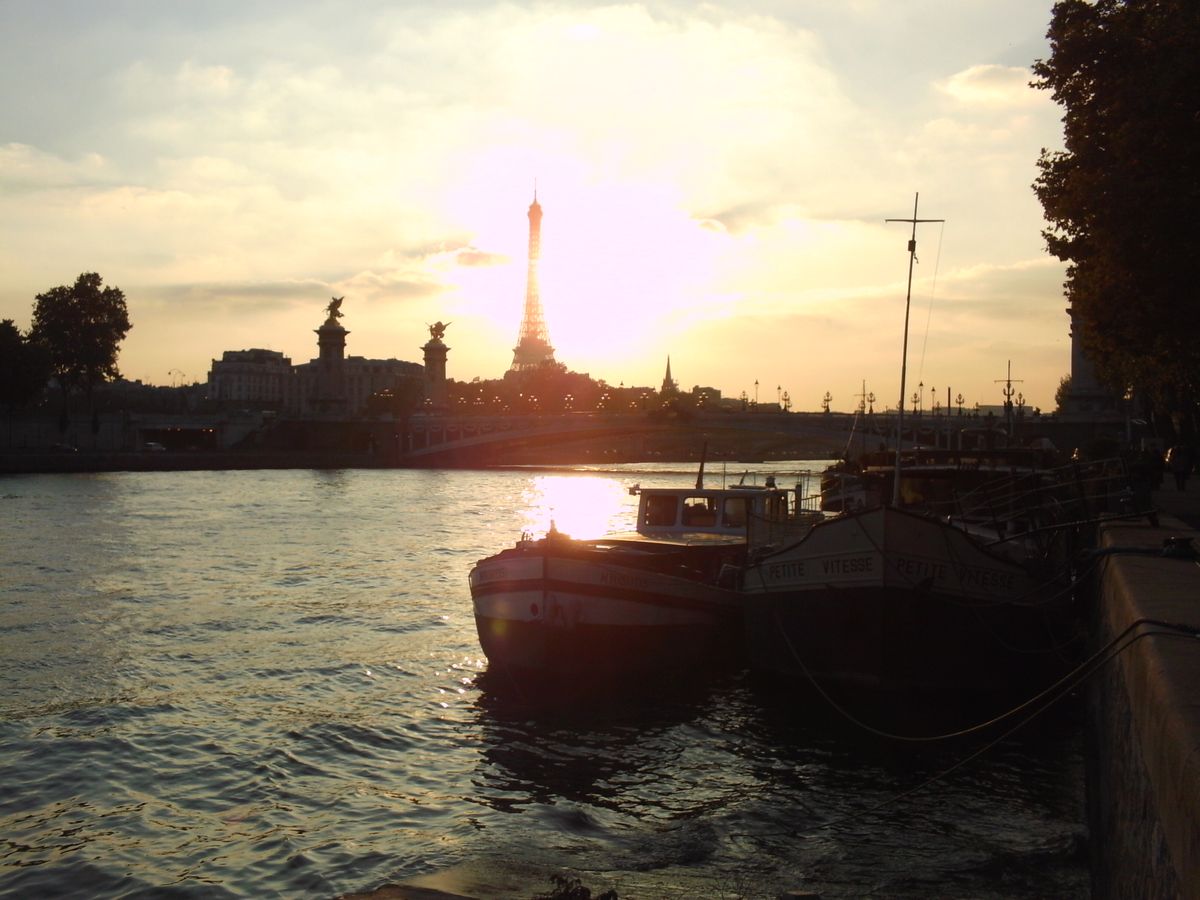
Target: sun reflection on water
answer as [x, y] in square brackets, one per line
[583, 506]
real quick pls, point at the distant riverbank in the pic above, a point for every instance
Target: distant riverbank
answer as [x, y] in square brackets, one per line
[25, 463]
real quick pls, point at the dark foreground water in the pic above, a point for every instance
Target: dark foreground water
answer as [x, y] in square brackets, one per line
[254, 684]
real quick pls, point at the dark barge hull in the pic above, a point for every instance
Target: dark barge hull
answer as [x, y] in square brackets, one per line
[891, 601]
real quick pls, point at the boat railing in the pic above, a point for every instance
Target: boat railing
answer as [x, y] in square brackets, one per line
[807, 494]
[1041, 500]
[803, 511]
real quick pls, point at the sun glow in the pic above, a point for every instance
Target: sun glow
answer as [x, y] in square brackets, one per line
[620, 266]
[578, 505]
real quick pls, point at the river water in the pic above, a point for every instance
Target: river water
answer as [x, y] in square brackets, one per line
[266, 683]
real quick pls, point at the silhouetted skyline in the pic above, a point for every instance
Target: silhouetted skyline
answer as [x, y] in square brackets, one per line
[718, 180]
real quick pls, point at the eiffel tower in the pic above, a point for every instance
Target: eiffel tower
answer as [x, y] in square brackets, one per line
[533, 346]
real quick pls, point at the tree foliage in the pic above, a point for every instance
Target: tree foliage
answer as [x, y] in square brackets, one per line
[82, 327]
[24, 367]
[1122, 199]
[1063, 392]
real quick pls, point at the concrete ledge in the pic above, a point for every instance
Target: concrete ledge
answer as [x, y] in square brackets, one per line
[1144, 793]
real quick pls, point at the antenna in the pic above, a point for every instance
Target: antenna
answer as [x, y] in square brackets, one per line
[912, 258]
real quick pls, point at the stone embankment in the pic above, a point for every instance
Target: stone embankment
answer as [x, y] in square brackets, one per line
[28, 463]
[1144, 709]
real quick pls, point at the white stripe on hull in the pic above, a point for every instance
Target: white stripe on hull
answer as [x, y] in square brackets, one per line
[539, 613]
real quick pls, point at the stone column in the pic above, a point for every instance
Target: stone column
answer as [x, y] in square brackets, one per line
[331, 388]
[435, 373]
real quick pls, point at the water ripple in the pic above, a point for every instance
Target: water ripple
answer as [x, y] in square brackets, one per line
[268, 684]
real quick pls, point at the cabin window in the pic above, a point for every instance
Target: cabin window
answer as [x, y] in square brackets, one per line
[700, 512]
[736, 512]
[659, 512]
[777, 507]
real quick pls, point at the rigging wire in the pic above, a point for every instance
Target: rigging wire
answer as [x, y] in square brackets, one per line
[937, 260]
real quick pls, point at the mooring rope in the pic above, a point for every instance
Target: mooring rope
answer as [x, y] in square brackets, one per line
[1036, 705]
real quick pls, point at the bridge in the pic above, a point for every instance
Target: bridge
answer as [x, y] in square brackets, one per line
[232, 440]
[447, 440]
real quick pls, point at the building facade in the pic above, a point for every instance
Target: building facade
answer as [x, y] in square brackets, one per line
[258, 378]
[330, 385]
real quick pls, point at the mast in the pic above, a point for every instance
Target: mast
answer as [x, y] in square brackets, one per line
[912, 258]
[861, 420]
[1008, 392]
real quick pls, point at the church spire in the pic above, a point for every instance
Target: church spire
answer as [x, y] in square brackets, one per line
[668, 385]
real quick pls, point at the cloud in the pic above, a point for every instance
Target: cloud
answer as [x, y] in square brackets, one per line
[992, 86]
[25, 168]
[227, 298]
[471, 257]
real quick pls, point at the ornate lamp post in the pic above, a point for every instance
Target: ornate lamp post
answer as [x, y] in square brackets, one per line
[959, 400]
[871, 412]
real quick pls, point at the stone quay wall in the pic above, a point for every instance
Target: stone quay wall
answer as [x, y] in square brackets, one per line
[1144, 718]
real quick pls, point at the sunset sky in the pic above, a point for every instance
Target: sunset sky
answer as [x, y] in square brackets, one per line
[714, 179]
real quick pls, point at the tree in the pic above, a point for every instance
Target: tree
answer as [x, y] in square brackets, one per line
[81, 327]
[24, 367]
[1122, 199]
[1063, 392]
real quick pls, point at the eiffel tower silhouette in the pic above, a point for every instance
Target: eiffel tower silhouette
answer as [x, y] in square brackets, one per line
[533, 346]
